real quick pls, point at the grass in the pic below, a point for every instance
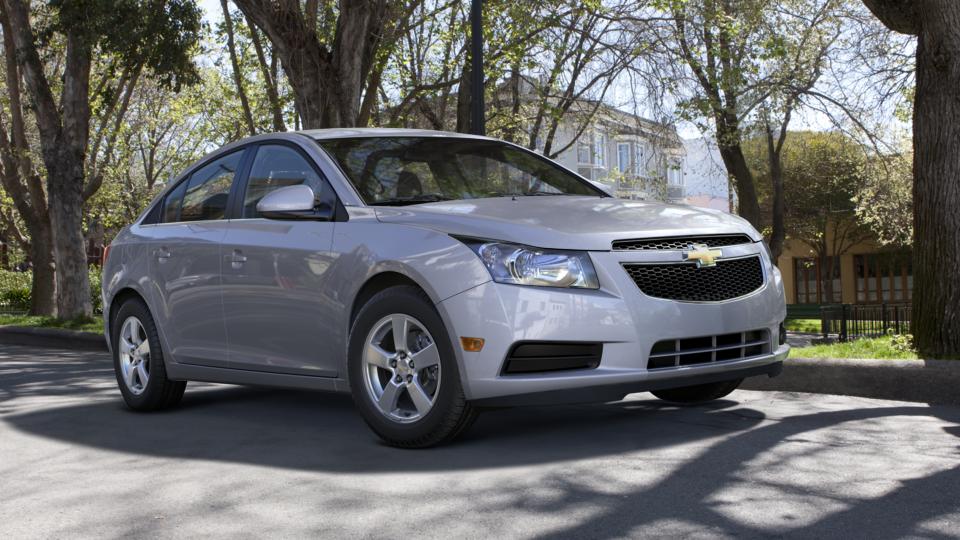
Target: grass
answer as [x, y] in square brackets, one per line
[882, 348]
[92, 324]
[809, 326]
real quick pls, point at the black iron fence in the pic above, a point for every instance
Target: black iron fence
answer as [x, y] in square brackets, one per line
[848, 321]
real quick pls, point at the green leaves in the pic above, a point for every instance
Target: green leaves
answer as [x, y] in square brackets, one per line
[160, 35]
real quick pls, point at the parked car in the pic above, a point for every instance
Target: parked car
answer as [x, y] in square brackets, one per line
[431, 275]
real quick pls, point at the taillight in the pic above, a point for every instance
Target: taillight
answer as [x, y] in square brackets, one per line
[106, 253]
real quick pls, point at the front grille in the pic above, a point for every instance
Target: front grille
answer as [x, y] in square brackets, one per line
[685, 282]
[680, 242]
[538, 357]
[671, 353]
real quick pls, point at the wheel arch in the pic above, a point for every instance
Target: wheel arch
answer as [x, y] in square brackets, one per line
[377, 283]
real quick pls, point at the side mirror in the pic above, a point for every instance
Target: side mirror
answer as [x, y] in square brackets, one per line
[293, 202]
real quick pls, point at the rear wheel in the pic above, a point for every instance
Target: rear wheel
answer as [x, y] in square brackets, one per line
[698, 393]
[403, 373]
[138, 360]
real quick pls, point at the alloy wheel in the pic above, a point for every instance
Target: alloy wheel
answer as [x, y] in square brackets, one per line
[401, 366]
[134, 355]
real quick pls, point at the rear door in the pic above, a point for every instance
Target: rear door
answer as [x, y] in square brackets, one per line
[278, 315]
[185, 263]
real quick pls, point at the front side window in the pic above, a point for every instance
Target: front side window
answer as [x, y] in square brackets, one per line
[208, 189]
[277, 166]
[410, 170]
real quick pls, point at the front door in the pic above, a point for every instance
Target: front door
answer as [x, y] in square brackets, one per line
[278, 318]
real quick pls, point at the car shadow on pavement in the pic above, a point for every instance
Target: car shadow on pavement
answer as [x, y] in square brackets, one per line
[322, 431]
[705, 489]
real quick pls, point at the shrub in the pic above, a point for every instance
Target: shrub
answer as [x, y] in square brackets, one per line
[15, 290]
[902, 343]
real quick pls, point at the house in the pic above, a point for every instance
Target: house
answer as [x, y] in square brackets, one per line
[865, 273]
[635, 157]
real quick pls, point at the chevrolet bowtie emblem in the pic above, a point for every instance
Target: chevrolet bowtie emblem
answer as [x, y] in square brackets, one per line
[703, 255]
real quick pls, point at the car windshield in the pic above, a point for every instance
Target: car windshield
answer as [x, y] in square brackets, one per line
[411, 170]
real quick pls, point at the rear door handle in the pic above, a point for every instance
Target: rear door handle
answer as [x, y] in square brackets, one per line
[237, 259]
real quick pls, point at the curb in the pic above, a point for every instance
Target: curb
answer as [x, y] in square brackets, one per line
[927, 381]
[52, 337]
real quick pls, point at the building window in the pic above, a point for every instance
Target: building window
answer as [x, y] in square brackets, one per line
[639, 159]
[883, 277]
[674, 174]
[812, 285]
[623, 157]
[600, 149]
[583, 152]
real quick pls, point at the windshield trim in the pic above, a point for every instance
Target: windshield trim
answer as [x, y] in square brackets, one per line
[319, 142]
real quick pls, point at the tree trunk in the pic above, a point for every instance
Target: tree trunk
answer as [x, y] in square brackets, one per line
[43, 295]
[237, 72]
[936, 190]
[463, 97]
[736, 164]
[268, 77]
[778, 235]
[327, 80]
[65, 187]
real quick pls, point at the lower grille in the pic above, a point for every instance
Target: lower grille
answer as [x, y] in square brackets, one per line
[538, 357]
[684, 281]
[671, 353]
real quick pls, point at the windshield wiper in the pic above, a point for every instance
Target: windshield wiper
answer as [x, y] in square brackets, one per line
[414, 199]
[541, 193]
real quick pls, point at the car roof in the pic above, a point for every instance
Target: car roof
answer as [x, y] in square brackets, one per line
[345, 133]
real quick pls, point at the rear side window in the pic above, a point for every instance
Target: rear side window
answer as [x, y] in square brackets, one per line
[278, 166]
[204, 196]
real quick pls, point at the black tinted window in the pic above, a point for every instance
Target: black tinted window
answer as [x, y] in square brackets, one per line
[209, 188]
[277, 166]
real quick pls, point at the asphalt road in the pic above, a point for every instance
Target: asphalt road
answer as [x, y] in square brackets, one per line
[244, 462]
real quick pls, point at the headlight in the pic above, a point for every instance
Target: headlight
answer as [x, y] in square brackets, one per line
[766, 249]
[523, 265]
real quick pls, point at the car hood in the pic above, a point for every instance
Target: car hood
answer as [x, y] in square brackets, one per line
[565, 222]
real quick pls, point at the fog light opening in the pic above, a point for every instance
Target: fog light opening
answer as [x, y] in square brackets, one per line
[472, 344]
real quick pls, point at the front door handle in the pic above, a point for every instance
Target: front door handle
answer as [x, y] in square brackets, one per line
[237, 259]
[162, 254]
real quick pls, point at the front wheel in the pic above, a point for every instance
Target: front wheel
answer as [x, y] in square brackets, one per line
[403, 373]
[138, 360]
[698, 393]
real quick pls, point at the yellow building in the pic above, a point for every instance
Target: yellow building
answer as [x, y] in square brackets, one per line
[866, 273]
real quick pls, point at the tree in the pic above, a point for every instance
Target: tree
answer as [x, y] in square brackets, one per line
[328, 52]
[156, 35]
[23, 182]
[885, 204]
[936, 167]
[822, 172]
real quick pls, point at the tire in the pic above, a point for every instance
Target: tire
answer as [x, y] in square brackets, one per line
[699, 393]
[159, 392]
[383, 390]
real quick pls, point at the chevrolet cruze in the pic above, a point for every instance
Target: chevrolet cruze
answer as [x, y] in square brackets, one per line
[431, 275]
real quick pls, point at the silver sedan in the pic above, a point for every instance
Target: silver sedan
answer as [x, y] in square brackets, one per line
[430, 275]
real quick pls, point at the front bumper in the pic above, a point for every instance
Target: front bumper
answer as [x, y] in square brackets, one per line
[619, 316]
